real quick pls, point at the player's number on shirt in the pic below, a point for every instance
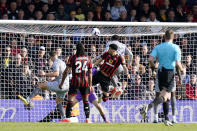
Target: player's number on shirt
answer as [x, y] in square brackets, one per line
[79, 64]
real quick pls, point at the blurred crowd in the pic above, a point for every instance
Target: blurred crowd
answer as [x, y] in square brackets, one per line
[23, 56]
[100, 10]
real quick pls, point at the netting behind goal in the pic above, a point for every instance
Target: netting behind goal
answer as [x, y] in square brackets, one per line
[24, 52]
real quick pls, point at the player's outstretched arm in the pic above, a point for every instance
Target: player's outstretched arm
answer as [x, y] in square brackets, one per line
[66, 71]
[125, 68]
[130, 56]
[50, 74]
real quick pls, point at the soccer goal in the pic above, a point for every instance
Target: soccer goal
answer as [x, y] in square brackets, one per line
[24, 51]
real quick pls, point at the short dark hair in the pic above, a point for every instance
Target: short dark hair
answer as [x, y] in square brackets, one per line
[115, 37]
[80, 49]
[169, 34]
[52, 53]
[113, 46]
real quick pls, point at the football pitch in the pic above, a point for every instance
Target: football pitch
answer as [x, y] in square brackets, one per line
[96, 127]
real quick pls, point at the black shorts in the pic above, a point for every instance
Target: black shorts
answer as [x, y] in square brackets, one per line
[166, 79]
[83, 90]
[102, 80]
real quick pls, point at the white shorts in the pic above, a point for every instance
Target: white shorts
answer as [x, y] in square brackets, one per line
[119, 70]
[54, 86]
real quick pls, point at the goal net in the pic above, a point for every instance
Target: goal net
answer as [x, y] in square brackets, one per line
[24, 52]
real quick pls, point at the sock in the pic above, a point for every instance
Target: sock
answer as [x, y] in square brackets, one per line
[61, 110]
[166, 109]
[156, 113]
[114, 81]
[105, 98]
[86, 109]
[35, 92]
[156, 102]
[104, 118]
[173, 105]
[68, 109]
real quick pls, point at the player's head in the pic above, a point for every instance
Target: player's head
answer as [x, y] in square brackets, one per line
[112, 48]
[169, 35]
[53, 55]
[115, 37]
[58, 50]
[80, 50]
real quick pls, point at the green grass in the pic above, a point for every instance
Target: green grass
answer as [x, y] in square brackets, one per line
[96, 127]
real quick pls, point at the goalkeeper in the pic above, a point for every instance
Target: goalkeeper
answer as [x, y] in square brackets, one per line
[58, 69]
[124, 52]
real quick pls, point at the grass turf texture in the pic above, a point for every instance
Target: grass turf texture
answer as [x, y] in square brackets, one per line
[96, 127]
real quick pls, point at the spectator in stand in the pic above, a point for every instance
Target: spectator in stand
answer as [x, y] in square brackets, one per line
[116, 10]
[52, 6]
[25, 59]
[180, 14]
[143, 19]
[191, 88]
[30, 11]
[171, 16]
[98, 16]
[189, 17]
[6, 64]
[137, 90]
[38, 4]
[194, 12]
[145, 10]
[134, 4]
[38, 15]
[123, 16]
[21, 15]
[90, 16]
[31, 45]
[60, 14]
[133, 15]
[152, 17]
[133, 71]
[45, 10]
[79, 14]
[107, 16]
[87, 5]
[149, 93]
[162, 14]
[15, 49]
[136, 46]
[144, 56]
[140, 67]
[73, 16]
[49, 45]
[69, 5]
[3, 7]
[50, 16]
[40, 60]
[191, 68]
[5, 16]
[185, 46]
[23, 81]
[12, 12]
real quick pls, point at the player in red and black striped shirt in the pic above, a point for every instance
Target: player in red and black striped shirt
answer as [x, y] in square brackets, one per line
[81, 66]
[112, 60]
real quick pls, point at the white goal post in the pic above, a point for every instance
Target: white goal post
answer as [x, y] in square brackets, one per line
[29, 43]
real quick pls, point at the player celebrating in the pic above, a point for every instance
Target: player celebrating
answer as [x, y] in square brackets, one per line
[168, 55]
[58, 68]
[111, 63]
[124, 52]
[80, 65]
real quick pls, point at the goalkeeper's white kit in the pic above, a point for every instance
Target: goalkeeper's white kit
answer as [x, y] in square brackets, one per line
[123, 51]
